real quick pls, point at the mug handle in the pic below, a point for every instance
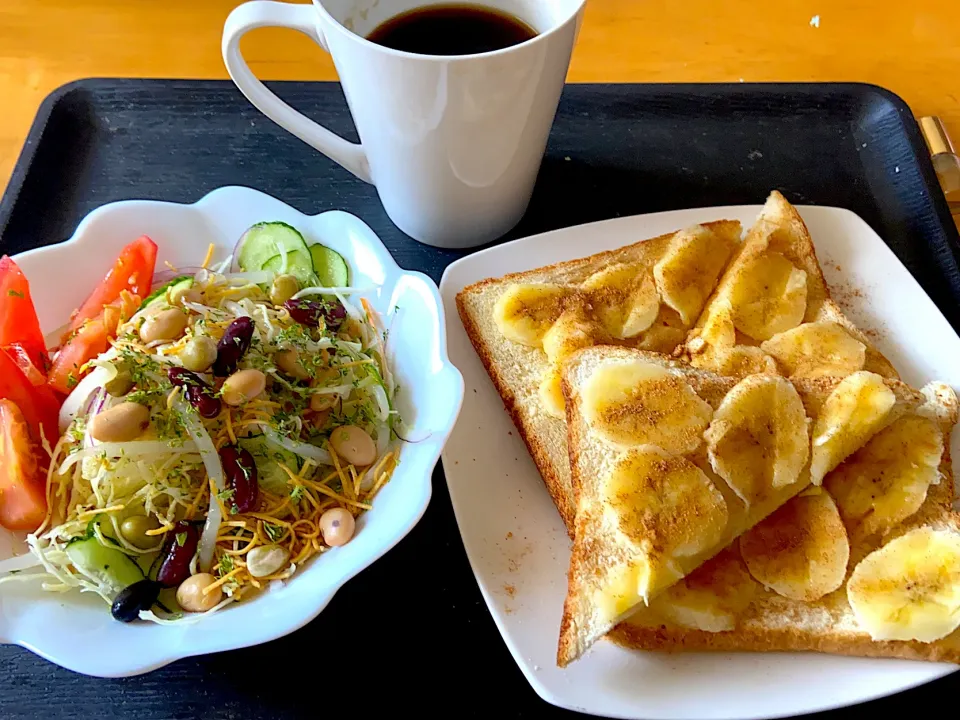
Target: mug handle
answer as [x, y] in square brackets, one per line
[263, 13]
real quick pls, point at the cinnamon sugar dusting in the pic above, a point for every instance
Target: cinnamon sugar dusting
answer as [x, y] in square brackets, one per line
[667, 501]
[657, 411]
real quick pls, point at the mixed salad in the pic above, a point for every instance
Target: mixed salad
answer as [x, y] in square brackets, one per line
[193, 434]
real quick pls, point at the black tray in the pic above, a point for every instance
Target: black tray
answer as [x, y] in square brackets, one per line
[412, 632]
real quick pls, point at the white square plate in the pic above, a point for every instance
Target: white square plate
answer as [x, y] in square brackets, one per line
[76, 630]
[519, 550]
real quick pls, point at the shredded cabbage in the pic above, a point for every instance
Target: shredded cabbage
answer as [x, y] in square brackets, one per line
[169, 473]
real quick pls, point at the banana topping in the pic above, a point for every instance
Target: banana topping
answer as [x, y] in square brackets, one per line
[711, 598]
[768, 296]
[853, 412]
[886, 481]
[816, 349]
[688, 271]
[525, 312]
[640, 403]
[666, 508]
[624, 299]
[550, 392]
[572, 331]
[910, 588]
[718, 329]
[666, 333]
[738, 361]
[757, 441]
[801, 550]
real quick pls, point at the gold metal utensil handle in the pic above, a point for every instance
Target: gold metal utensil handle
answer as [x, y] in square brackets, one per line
[945, 159]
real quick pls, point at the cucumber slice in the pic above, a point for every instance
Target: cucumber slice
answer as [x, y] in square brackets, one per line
[267, 240]
[270, 476]
[158, 295]
[107, 563]
[295, 266]
[330, 267]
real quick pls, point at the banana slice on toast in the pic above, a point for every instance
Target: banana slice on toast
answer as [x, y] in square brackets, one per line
[758, 441]
[886, 481]
[909, 589]
[801, 551]
[711, 598]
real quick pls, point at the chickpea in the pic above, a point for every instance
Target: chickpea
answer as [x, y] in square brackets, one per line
[337, 526]
[319, 403]
[283, 288]
[266, 560]
[199, 354]
[354, 445]
[167, 324]
[121, 423]
[121, 384]
[243, 386]
[134, 530]
[289, 362]
[190, 593]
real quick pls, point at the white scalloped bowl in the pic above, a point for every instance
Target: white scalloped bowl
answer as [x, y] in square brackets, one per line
[77, 631]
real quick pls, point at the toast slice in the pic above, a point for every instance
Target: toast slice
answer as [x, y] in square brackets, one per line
[772, 312]
[747, 599]
[672, 463]
[586, 301]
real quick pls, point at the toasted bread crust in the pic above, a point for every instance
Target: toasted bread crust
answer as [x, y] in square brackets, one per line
[563, 499]
[787, 639]
[590, 262]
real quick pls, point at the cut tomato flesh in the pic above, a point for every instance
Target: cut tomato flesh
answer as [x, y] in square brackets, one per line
[18, 353]
[87, 343]
[38, 405]
[23, 502]
[18, 317]
[132, 271]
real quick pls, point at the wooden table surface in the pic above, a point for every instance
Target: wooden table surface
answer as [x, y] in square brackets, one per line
[912, 48]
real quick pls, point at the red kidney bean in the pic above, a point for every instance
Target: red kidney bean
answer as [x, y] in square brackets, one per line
[240, 471]
[311, 312]
[179, 549]
[232, 346]
[197, 392]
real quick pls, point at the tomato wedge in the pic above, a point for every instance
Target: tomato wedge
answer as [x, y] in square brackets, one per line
[89, 341]
[38, 405]
[18, 353]
[23, 501]
[18, 317]
[132, 271]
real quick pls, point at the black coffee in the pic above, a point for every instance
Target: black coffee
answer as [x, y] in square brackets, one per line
[455, 29]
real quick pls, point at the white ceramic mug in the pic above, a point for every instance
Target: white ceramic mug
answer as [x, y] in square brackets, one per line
[452, 143]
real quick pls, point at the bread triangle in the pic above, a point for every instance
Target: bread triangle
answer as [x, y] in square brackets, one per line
[604, 552]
